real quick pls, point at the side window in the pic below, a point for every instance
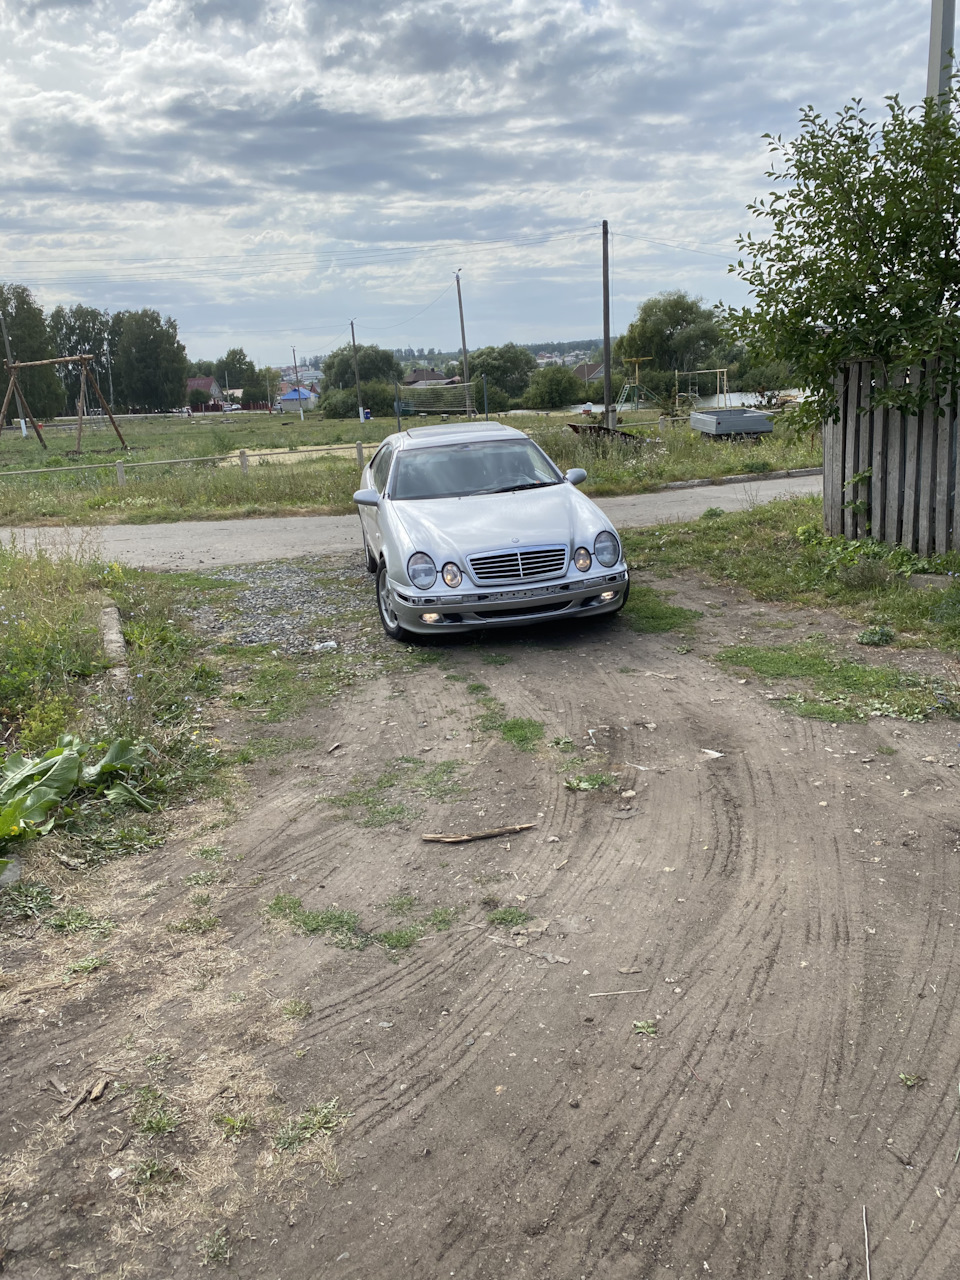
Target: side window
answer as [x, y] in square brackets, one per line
[380, 468]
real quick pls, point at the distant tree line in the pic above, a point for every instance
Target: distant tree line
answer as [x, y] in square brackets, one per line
[138, 359]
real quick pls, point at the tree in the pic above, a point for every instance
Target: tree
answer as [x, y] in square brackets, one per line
[235, 369]
[862, 259]
[80, 329]
[672, 328]
[375, 365]
[261, 386]
[553, 387]
[30, 340]
[508, 369]
[378, 397]
[151, 362]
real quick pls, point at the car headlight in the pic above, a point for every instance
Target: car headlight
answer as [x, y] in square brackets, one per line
[421, 570]
[451, 574]
[606, 549]
[582, 559]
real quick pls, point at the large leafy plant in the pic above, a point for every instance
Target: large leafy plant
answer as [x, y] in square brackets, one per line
[862, 257]
[33, 789]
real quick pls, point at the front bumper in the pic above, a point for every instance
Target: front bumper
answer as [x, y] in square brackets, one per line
[430, 612]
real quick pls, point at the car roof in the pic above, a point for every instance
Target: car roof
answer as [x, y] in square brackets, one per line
[457, 433]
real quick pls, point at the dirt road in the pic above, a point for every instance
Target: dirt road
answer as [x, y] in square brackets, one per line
[194, 544]
[772, 901]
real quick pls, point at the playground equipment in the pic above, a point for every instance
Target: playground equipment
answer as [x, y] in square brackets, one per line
[15, 389]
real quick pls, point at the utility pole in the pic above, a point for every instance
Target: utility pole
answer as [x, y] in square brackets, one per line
[106, 345]
[940, 63]
[6, 343]
[356, 372]
[609, 410]
[296, 378]
[463, 343]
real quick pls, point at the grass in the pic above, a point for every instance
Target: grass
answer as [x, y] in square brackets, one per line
[589, 781]
[201, 922]
[297, 1008]
[509, 917]
[341, 927]
[838, 689]
[378, 803]
[777, 552]
[89, 964]
[327, 1118]
[647, 612]
[204, 490]
[151, 1175]
[215, 1247]
[234, 1128]
[152, 1113]
[523, 733]
[77, 920]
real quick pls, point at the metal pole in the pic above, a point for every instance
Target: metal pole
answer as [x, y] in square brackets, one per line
[463, 343]
[940, 62]
[296, 378]
[396, 392]
[16, 392]
[356, 371]
[485, 413]
[607, 386]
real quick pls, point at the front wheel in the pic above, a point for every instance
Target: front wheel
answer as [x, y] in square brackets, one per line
[386, 608]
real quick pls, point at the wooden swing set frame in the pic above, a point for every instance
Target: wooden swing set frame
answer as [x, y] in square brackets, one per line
[14, 389]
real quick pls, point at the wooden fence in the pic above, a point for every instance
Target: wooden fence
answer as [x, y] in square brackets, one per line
[910, 464]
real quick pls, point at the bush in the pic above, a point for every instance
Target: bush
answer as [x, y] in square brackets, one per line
[553, 387]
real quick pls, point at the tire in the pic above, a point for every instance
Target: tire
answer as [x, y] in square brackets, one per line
[388, 618]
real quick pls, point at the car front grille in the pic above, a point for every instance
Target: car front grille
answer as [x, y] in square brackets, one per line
[520, 565]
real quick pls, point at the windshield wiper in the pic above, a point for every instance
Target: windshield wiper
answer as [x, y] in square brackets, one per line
[515, 488]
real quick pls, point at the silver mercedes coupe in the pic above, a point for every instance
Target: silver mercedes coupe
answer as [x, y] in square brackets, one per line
[470, 525]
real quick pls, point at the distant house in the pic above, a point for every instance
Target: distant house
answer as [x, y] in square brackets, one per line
[423, 378]
[587, 371]
[298, 396]
[210, 387]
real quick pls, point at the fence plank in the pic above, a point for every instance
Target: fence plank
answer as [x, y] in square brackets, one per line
[926, 467]
[911, 476]
[894, 477]
[878, 485]
[832, 460]
[851, 423]
[860, 493]
[944, 497]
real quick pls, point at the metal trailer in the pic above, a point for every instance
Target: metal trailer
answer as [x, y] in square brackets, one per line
[731, 422]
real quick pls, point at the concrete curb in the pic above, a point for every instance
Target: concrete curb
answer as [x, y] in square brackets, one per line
[114, 645]
[744, 479]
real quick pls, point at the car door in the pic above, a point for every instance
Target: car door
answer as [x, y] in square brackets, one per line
[370, 516]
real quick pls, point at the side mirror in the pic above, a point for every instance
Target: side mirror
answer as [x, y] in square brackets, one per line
[367, 498]
[576, 475]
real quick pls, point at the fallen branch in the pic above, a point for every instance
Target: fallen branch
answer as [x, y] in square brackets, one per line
[90, 1094]
[480, 835]
[866, 1241]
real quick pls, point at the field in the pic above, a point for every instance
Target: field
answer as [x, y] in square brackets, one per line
[692, 1018]
[319, 484]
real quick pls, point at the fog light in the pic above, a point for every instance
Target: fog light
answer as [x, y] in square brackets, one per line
[430, 617]
[607, 596]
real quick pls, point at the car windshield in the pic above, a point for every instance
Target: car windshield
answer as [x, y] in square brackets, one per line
[480, 466]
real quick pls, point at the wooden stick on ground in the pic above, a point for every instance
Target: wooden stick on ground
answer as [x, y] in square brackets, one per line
[866, 1241]
[480, 835]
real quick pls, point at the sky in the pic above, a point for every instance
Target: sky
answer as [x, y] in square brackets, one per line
[266, 170]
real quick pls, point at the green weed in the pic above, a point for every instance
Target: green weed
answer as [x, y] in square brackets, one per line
[152, 1113]
[25, 900]
[234, 1128]
[151, 1175]
[327, 1118]
[589, 781]
[202, 922]
[77, 920]
[402, 938]
[341, 927]
[215, 1247]
[645, 1028]
[442, 918]
[89, 964]
[509, 917]
[297, 1008]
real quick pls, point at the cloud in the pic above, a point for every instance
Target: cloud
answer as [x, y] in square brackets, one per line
[340, 132]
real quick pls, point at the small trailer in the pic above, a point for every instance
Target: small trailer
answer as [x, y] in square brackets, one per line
[731, 422]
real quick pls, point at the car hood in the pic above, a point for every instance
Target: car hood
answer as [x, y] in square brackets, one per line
[491, 521]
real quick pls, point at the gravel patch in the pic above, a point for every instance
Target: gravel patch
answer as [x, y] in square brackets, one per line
[292, 605]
